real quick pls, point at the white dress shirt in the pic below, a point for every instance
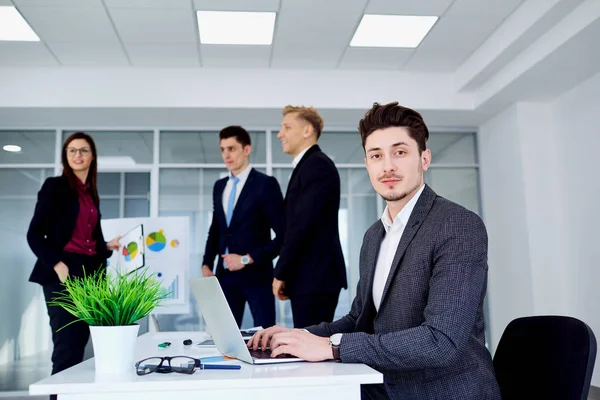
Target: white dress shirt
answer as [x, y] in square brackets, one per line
[297, 159]
[240, 185]
[389, 245]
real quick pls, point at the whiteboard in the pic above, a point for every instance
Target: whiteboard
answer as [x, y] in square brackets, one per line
[167, 255]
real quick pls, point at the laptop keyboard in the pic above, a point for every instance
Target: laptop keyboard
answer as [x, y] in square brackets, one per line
[266, 354]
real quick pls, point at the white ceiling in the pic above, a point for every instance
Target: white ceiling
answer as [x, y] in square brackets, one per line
[138, 63]
[308, 34]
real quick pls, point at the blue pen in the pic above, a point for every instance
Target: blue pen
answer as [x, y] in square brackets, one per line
[219, 366]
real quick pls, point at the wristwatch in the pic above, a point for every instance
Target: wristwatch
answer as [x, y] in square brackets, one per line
[334, 341]
[245, 259]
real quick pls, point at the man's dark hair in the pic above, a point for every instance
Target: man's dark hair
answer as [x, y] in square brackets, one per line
[392, 114]
[239, 133]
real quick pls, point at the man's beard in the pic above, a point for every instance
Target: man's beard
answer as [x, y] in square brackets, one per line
[400, 196]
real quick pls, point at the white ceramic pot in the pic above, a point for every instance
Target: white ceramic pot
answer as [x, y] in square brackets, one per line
[114, 348]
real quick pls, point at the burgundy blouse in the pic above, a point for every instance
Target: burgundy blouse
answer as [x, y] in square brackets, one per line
[82, 241]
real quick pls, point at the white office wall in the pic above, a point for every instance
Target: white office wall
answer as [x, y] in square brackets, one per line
[576, 115]
[510, 287]
[544, 205]
[540, 197]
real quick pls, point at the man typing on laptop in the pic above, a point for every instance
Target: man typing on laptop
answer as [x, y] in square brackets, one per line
[418, 313]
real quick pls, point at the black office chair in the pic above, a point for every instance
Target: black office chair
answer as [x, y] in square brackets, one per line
[545, 357]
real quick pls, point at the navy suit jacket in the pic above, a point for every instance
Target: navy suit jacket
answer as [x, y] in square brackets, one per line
[52, 226]
[311, 258]
[428, 336]
[258, 210]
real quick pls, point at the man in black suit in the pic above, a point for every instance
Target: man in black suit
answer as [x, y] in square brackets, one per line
[246, 206]
[311, 271]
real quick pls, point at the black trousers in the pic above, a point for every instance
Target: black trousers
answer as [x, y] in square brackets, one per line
[69, 342]
[260, 300]
[373, 392]
[312, 309]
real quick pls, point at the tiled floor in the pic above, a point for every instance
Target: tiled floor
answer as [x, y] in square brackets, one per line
[17, 376]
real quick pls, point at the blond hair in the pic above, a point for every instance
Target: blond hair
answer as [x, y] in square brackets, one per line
[309, 114]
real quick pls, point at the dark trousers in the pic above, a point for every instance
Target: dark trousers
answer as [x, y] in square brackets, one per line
[373, 392]
[260, 300]
[69, 342]
[312, 309]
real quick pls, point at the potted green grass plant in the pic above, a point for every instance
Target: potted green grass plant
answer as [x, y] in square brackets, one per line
[111, 304]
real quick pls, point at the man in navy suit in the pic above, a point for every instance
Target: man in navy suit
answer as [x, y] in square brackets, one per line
[310, 271]
[247, 204]
[418, 312]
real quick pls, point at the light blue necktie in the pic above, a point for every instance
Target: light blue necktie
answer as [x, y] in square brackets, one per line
[231, 201]
[230, 206]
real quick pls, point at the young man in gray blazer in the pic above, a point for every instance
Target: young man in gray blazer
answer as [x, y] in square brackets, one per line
[418, 312]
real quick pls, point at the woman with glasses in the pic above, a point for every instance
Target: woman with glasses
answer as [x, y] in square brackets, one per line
[66, 237]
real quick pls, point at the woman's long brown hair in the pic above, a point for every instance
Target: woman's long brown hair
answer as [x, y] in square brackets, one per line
[92, 176]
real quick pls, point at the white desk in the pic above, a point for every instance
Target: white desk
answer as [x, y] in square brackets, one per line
[301, 380]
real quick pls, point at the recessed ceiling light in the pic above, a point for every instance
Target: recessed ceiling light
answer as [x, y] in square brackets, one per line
[392, 30]
[13, 27]
[13, 148]
[235, 27]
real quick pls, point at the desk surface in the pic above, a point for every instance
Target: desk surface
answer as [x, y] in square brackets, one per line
[83, 379]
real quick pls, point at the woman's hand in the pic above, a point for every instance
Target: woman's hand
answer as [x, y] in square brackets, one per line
[62, 271]
[114, 244]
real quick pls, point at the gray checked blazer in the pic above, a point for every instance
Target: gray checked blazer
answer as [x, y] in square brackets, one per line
[428, 337]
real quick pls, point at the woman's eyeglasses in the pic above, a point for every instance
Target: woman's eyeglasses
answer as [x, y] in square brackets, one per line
[72, 151]
[181, 364]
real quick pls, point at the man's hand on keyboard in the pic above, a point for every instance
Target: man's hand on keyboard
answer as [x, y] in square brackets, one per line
[301, 344]
[262, 338]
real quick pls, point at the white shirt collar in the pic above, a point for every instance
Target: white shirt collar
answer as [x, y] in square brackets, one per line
[403, 215]
[297, 159]
[242, 175]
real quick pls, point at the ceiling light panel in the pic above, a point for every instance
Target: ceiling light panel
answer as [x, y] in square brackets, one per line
[404, 31]
[234, 27]
[13, 26]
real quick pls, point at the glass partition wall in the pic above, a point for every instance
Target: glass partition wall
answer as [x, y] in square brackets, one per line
[152, 172]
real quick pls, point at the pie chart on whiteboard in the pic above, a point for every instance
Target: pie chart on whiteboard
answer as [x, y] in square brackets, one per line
[156, 241]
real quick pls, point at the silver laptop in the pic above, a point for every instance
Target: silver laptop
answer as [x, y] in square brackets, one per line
[223, 328]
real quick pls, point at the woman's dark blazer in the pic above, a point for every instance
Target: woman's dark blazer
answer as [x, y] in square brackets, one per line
[52, 226]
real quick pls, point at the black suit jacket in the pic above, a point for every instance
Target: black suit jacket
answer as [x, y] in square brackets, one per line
[311, 259]
[258, 210]
[52, 226]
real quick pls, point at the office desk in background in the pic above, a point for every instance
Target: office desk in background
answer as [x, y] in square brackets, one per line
[302, 380]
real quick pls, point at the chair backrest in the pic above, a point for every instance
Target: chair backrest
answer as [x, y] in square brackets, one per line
[545, 357]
